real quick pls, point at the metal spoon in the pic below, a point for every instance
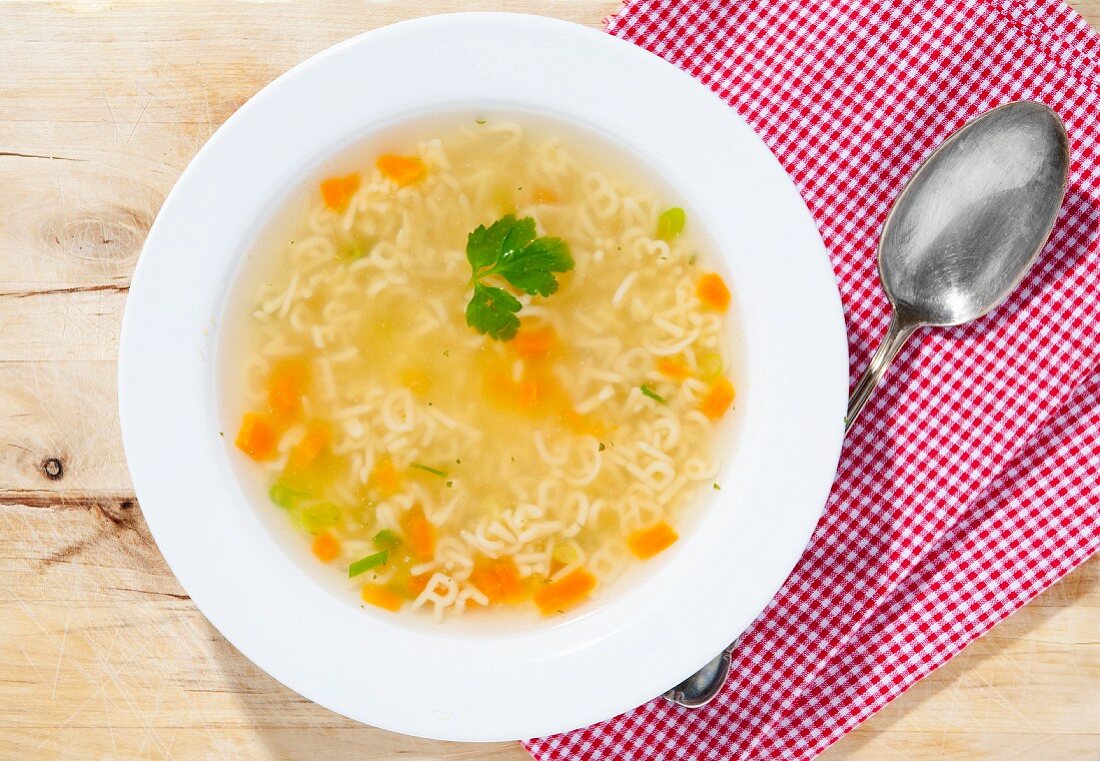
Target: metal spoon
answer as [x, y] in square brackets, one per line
[959, 238]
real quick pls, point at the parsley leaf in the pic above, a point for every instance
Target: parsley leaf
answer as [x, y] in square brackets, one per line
[531, 270]
[483, 245]
[493, 310]
[510, 249]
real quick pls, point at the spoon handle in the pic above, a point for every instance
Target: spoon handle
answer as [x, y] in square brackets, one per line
[896, 336]
[703, 686]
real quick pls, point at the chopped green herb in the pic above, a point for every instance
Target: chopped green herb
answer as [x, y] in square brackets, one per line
[450, 484]
[602, 447]
[365, 564]
[446, 352]
[670, 223]
[428, 469]
[386, 540]
[458, 462]
[351, 252]
[510, 249]
[647, 391]
[479, 121]
[284, 496]
[692, 259]
[717, 487]
[222, 434]
[710, 365]
[314, 518]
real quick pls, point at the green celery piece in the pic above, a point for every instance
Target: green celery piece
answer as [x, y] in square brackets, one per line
[671, 223]
[365, 564]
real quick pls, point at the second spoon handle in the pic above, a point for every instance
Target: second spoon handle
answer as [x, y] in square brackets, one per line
[896, 336]
[703, 686]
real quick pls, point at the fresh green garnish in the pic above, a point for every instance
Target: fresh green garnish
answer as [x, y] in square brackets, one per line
[283, 496]
[493, 310]
[670, 223]
[429, 469]
[717, 487]
[479, 121]
[354, 245]
[317, 517]
[710, 365]
[510, 249]
[351, 251]
[386, 540]
[647, 391]
[602, 447]
[365, 564]
[450, 484]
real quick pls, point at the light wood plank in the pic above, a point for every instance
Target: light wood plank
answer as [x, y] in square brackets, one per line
[101, 107]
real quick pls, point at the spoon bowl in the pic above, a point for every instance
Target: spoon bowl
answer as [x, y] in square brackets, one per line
[972, 219]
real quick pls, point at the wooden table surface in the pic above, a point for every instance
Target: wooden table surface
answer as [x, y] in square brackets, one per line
[102, 654]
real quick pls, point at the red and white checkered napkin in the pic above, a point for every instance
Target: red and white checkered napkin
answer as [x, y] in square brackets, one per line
[972, 480]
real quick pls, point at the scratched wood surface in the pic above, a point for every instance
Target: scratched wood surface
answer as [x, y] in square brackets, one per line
[102, 654]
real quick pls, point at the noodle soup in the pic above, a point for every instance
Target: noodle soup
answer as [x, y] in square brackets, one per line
[481, 364]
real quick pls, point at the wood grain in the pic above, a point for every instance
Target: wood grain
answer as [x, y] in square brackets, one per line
[103, 655]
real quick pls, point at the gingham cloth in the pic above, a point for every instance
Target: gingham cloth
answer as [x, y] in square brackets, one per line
[972, 480]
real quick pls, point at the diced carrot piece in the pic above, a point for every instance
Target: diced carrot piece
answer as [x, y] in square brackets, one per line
[381, 597]
[326, 547]
[676, 369]
[539, 395]
[649, 541]
[257, 437]
[337, 191]
[384, 477]
[717, 399]
[401, 170]
[287, 382]
[484, 579]
[419, 533]
[417, 584]
[585, 425]
[499, 581]
[306, 451]
[534, 343]
[545, 195]
[560, 595]
[508, 577]
[713, 292]
[528, 393]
